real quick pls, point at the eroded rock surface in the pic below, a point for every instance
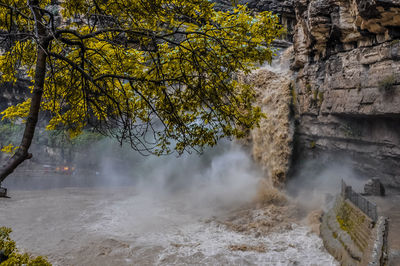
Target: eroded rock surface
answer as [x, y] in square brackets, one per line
[13, 94]
[281, 7]
[347, 81]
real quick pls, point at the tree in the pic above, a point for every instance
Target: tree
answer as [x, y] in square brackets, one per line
[157, 74]
[11, 254]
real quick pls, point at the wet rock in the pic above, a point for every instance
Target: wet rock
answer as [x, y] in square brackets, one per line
[3, 191]
[347, 85]
[13, 94]
[374, 187]
[281, 7]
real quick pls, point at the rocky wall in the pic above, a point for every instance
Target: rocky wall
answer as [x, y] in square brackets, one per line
[13, 94]
[351, 236]
[347, 84]
[280, 7]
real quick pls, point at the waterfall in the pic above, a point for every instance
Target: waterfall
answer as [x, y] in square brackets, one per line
[271, 143]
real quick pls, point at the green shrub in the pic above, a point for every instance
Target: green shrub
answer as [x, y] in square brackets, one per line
[10, 132]
[320, 97]
[387, 83]
[314, 98]
[308, 87]
[313, 144]
[351, 130]
[8, 246]
[294, 95]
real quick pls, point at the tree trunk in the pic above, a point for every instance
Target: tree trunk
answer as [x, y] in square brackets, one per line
[22, 153]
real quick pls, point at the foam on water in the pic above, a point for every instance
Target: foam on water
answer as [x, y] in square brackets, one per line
[111, 227]
[182, 237]
[156, 223]
[209, 244]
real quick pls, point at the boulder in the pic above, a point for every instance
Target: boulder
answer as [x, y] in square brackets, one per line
[374, 187]
[3, 192]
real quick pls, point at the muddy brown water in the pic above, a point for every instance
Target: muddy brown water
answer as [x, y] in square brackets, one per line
[118, 226]
[183, 211]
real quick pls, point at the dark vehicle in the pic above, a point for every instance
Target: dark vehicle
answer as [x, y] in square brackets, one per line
[3, 192]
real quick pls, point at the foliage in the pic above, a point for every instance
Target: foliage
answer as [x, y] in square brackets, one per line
[313, 144]
[9, 134]
[293, 93]
[158, 74]
[350, 221]
[18, 111]
[387, 83]
[351, 130]
[315, 94]
[320, 97]
[308, 87]
[59, 138]
[234, 2]
[10, 148]
[8, 246]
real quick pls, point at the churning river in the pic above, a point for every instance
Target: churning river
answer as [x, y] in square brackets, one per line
[192, 210]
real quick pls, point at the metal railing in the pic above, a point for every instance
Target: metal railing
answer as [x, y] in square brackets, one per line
[359, 201]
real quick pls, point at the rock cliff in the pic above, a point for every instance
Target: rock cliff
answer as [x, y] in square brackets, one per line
[281, 7]
[346, 69]
[12, 94]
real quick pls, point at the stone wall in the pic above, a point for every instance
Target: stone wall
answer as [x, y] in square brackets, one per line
[352, 237]
[347, 81]
[13, 94]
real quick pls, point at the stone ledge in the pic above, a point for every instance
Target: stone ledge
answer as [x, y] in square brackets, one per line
[343, 242]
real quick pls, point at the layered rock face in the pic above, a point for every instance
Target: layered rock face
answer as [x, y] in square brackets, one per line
[347, 84]
[281, 7]
[12, 95]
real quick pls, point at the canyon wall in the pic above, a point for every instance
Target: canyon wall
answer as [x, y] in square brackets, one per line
[346, 69]
[277, 6]
[13, 94]
[352, 237]
[346, 88]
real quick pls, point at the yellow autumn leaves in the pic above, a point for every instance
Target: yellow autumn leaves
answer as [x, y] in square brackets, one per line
[134, 66]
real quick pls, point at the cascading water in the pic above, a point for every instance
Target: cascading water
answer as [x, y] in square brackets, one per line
[272, 141]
